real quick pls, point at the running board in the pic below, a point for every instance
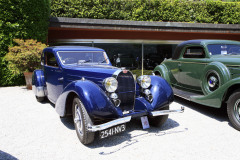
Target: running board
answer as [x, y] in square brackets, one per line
[184, 94]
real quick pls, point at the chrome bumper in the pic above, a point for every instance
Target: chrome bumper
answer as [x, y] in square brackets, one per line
[95, 128]
[39, 91]
[165, 112]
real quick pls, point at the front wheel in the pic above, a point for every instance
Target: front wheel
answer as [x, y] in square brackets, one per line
[159, 120]
[81, 120]
[233, 109]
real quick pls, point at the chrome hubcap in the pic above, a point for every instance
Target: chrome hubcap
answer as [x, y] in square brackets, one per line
[237, 110]
[78, 119]
[212, 81]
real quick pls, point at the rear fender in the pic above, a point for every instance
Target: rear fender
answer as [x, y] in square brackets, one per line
[39, 83]
[95, 100]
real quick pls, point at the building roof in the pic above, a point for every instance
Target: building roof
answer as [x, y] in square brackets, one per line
[63, 22]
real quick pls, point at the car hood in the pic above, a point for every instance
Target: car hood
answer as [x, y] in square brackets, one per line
[227, 59]
[95, 73]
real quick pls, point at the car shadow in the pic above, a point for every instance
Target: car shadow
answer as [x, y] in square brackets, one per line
[219, 114]
[68, 122]
[128, 138]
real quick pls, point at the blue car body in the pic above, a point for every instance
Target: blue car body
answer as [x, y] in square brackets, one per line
[61, 83]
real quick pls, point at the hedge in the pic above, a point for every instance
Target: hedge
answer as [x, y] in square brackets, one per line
[150, 10]
[23, 19]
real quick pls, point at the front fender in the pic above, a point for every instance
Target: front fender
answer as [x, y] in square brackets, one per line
[96, 102]
[161, 91]
[215, 98]
[163, 71]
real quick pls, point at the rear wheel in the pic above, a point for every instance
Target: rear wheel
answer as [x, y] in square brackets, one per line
[233, 109]
[159, 120]
[81, 121]
[40, 99]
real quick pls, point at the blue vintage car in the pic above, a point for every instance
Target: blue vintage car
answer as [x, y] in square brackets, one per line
[81, 82]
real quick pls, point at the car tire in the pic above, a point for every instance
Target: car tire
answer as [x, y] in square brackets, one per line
[40, 99]
[215, 75]
[81, 121]
[233, 109]
[159, 120]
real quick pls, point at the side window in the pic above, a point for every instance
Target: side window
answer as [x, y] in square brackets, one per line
[42, 59]
[50, 59]
[194, 52]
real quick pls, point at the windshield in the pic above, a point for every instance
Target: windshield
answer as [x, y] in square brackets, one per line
[223, 49]
[85, 57]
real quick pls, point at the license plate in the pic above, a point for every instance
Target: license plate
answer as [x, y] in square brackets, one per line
[112, 131]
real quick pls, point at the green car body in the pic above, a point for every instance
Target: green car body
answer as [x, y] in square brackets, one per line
[204, 71]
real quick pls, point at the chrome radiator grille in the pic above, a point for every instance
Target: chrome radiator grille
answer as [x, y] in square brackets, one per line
[126, 90]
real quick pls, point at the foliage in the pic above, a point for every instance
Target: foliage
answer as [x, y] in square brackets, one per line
[24, 19]
[26, 56]
[208, 11]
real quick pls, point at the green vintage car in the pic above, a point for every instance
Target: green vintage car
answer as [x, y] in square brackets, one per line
[206, 72]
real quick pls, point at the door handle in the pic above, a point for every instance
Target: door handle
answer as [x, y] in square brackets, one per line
[179, 67]
[58, 71]
[60, 79]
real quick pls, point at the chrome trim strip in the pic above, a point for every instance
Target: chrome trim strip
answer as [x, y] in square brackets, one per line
[165, 112]
[95, 128]
[188, 62]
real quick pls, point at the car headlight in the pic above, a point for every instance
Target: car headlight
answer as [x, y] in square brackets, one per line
[110, 84]
[144, 81]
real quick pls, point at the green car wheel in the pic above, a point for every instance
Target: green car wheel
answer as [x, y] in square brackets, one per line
[216, 74]
[233, 109]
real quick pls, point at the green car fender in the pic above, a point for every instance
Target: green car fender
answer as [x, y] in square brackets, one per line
[215, 74]
[162, 71]
[221, 94]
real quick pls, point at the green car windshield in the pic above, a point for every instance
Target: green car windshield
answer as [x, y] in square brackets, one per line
[224, 49]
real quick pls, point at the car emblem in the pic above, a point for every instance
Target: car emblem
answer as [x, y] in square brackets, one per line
[125, 71]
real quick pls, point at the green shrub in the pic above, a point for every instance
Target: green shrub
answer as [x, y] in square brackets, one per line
[209, 11]
[26, 56]
[23, 19]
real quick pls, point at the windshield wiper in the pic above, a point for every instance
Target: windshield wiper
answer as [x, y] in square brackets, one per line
[87, 61]
[105, 60]
[233, 53]
[83, 61]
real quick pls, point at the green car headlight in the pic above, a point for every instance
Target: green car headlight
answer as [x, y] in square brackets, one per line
[144, 81]
[110, 84]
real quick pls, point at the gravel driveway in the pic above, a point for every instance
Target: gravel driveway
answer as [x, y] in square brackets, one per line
[33, 130]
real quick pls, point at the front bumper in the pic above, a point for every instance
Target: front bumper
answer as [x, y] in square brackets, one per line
[95, 128]
[165, 112]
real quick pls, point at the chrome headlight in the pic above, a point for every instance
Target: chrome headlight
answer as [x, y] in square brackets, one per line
[144, 81]
[110, 84]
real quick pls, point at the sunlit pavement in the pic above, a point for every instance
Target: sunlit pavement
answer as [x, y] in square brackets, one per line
[33, 130]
